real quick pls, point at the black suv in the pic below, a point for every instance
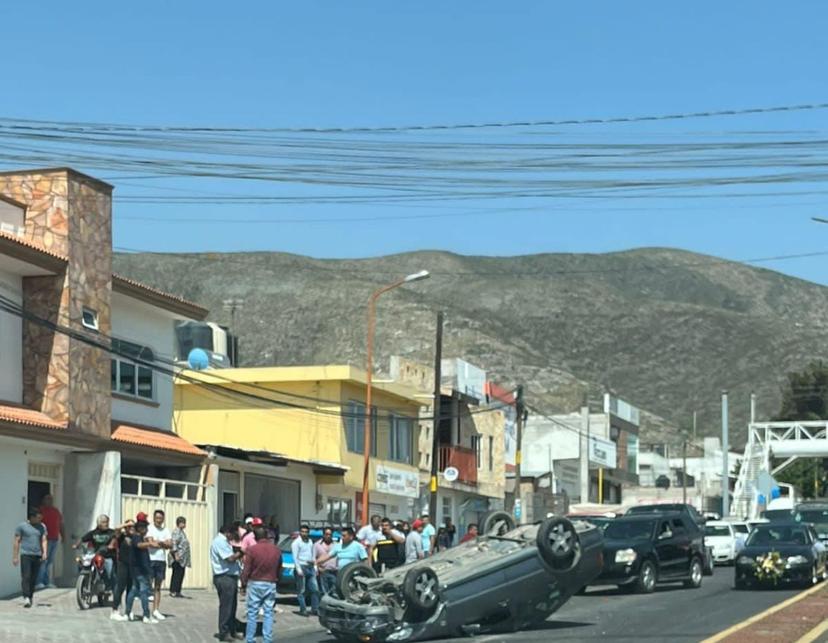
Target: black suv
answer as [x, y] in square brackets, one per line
[642, 551]
[675, 507]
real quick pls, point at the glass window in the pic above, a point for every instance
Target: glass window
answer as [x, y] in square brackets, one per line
[339, 511]
[632, 453]
[127, 377]
[475, 443]
[355, 428]
[89, 319]
[491, 453]
[401, 439]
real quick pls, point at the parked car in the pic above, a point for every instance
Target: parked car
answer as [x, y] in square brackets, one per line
[696, 520]
[742, 531]
[816, 513]
[721, 536]
[508, 578]
[795, 556]
[645, 550]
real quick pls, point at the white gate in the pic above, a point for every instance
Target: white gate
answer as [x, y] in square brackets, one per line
[175, 499]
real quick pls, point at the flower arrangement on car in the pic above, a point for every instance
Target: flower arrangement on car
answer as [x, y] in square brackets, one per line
[770, 567]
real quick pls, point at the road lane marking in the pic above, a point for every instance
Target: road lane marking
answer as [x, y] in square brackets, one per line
[815, 633]
[758, 617]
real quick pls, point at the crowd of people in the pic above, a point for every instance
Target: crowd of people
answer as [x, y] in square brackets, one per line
[244, 556]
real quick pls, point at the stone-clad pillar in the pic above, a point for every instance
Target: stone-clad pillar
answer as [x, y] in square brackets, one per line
[70, 214]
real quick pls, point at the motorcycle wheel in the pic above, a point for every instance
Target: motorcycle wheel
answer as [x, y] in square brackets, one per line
[83, 591]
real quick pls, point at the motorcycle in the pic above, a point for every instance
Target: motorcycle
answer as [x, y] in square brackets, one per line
[91, 581]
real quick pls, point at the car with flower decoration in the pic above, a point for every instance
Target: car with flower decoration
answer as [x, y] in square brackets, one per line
[781, 553]
[506, 579]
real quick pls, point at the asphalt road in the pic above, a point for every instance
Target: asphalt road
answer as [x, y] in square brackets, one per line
[671, 614]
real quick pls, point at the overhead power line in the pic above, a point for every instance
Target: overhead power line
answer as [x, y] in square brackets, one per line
[116, 127]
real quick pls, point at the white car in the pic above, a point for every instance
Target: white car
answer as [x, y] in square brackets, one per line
[742, 530]
[721, 537]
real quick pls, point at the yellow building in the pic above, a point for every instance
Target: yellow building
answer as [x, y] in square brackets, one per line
[287, 442]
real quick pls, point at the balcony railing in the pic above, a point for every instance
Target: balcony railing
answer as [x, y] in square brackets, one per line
[461, 458]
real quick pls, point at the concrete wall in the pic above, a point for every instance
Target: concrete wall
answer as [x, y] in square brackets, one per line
[13, 476]
[92, 487]
[140, 323]
[11, 341]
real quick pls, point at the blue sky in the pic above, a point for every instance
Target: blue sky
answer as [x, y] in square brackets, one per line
[377, 64]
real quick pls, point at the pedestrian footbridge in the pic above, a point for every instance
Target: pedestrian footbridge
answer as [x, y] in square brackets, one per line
[768, 442]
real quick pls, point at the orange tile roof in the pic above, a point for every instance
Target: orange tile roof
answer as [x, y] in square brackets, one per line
[190, 307]
[29, 417]
[31, 245]
[154, 439]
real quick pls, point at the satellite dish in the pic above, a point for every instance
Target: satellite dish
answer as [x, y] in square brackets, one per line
[198, 359]
[451, 474]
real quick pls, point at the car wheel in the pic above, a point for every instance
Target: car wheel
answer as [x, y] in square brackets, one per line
[739, 583]
[497, 523]
[559, 544]
[695, 579]
[647, 578]
[421, 588]
[347, 582]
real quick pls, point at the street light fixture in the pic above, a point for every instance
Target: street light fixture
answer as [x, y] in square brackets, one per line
[372, 314]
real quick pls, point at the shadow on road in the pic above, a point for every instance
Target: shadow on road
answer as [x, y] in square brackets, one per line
[617, 591]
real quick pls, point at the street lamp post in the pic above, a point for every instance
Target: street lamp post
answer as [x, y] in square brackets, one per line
[369, 368]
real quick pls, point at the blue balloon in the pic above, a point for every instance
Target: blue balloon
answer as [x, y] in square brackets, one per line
[761, 499]
[775, 493]
[198, 359]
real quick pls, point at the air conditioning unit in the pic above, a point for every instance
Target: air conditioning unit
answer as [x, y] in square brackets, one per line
[220, 346]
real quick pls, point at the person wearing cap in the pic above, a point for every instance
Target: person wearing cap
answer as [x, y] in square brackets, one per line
[249, 539]
[414, 543]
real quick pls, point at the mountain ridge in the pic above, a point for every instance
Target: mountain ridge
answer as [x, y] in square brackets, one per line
[665, 329]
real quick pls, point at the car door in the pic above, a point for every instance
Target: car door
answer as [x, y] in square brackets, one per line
[682, 544]
[665, 549]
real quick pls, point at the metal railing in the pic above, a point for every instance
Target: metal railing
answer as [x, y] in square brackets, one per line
[461, 458]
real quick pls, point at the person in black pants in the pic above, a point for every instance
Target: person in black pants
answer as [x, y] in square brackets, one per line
[179, 556]
[29, 550]
[225, 563]
[123, 578]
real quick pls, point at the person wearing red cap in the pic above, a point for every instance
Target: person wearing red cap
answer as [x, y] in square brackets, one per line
[250, 537]
[141, 517]
[414, 542]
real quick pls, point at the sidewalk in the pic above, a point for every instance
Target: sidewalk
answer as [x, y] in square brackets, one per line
[801, 618]
[55, 617]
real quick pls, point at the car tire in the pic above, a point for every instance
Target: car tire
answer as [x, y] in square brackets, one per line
[647, 578]
[497, 523]
[558, 544]
[740, 583]
[346, 579]
[421, 588]
[696, 573]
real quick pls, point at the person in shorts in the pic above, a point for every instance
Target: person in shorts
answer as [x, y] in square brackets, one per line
[161, 539]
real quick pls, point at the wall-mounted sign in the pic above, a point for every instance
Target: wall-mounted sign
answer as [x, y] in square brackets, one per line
[451, 474]
[397, 481]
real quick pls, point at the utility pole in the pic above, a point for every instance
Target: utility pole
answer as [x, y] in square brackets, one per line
[725, 464]
[232, 305]
[435, 442]
[584, 454]
[684, 473]
[752, 408]
[520, 412]
[694, 426]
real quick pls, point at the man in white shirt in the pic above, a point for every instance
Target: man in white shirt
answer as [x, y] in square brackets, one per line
[161, 539]
[304, 571]
[368, 535]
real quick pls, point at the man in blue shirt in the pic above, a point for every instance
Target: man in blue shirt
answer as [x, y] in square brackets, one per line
[226, 569]
[429, 536]
[346, 552]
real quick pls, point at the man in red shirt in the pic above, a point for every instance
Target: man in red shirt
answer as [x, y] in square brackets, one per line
[471, 534]
[262, 565]
[53, 521]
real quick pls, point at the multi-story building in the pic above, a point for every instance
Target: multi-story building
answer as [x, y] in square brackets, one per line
[554, 446]
[287, 442]
[471, 439]
[84, 409]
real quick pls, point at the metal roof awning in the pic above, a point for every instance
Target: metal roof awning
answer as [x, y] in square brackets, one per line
[275, 459]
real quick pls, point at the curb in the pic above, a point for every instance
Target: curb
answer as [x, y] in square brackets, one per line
[815, 633]
[771, 610]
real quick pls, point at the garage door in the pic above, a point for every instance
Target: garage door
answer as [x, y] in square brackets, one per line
[265, 497]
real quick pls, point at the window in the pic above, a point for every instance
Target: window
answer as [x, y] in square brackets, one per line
[632, 453]
[128, 377]
[355, 428]
[401, 439]
[446, 513]
[475, 444]
[339, 511]
[491, 453]
[89, 319]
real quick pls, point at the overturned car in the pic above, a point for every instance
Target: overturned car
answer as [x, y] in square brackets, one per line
[507, 579]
